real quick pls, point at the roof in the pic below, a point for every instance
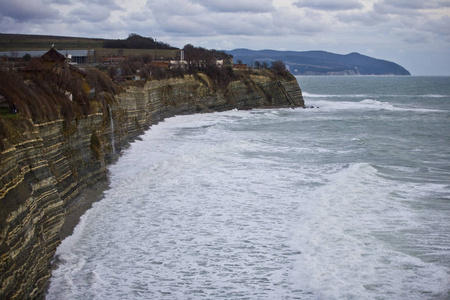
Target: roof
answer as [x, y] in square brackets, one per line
[53, 55]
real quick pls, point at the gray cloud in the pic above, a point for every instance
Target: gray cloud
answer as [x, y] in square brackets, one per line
[92, 13]
[111, 4]
[415, 4]
[198, 22]
[23, 11]
[409, 7]
[415, 37]
[102, 29]
[439, 26]
[199, 18]
[106, 4]
[139, 17]
[178, 17]
[404, 21]
[196, 18]
[64, 2]
[288, 22]
[175, 7]
[184, 26]
[240, 6]
[215, 24]
[329, 5]
[246, 24]
[369, 18]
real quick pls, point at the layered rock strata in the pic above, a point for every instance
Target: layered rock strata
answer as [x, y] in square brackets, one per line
[41, 178]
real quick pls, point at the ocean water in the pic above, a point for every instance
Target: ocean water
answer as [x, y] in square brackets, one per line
[349, 200]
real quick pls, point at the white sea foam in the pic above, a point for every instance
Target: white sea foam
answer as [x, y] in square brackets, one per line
[434, 96]
[310, 95]
[350, 258]
[270, 204]
[366, 104]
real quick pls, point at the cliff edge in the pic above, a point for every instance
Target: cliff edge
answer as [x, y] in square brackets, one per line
[44, 171]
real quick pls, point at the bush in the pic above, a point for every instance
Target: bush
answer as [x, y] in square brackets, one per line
[135, 41]
[42, 96]
[279, 68]
[100, 81]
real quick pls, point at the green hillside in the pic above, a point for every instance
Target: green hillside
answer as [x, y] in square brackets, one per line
[133, 45]
[22, 42]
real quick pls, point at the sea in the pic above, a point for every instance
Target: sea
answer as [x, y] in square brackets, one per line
[349, 199]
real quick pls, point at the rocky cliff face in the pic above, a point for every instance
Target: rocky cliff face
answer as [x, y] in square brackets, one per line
[41, 178]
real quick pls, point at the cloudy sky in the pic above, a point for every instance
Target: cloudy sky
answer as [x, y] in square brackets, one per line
[413, 33]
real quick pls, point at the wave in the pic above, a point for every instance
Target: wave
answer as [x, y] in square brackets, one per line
[306, 94]
[350, 105]
[354, 219]
[311, 95]
[366, 104]
[433, 96]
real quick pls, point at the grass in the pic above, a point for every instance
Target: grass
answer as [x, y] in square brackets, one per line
[160, 53]
[23, 42]
[6, 114]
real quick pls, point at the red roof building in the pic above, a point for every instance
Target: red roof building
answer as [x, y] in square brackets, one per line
[240, 67]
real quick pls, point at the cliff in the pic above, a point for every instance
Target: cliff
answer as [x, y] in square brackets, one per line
[43, 173]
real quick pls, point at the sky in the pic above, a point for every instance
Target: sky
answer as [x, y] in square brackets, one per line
[412, 33]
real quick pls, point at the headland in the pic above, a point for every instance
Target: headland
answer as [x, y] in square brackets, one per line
[69, 123]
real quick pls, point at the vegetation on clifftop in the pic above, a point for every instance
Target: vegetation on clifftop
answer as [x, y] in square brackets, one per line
[135, 41]
[43, 91]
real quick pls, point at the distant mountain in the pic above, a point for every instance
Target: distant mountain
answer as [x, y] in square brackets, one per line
[321, 62]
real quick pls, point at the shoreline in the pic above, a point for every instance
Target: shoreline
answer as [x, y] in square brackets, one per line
[63, 168]
[84, 202]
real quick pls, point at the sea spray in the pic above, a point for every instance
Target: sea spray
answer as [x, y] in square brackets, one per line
[346, 201]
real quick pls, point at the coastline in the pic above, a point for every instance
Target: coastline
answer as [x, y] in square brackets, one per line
[59, 170]
[84, 202]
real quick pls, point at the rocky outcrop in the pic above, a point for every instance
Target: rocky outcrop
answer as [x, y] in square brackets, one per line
[42, 176]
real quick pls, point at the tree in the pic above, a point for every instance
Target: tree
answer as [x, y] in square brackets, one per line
[135, 41]
[112, 72]
[199, 58]
[278, 65]
[279, 68]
